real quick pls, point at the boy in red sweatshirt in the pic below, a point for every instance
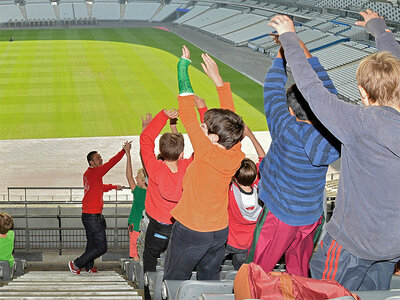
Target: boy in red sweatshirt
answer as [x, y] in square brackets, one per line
[92, 208]
[165, 184]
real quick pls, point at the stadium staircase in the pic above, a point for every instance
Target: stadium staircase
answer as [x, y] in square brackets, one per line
[65, 285]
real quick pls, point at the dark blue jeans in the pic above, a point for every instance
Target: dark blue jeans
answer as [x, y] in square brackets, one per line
[189, 249]
[96, 246]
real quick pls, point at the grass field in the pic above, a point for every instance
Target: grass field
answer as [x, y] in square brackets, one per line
[98, 82]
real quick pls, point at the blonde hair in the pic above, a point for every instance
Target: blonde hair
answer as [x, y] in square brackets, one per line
[379, 75]
[141, 174]
[6, 222]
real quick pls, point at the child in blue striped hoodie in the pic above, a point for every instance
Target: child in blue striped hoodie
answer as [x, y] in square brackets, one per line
[292, 173]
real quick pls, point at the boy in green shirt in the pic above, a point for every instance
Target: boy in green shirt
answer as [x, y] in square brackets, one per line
[6, 238]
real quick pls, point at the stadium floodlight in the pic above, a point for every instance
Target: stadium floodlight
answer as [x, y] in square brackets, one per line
[53, 2]
[89, 2]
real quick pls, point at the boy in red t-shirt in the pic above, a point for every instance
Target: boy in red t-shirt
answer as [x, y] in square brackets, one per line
[244, 206]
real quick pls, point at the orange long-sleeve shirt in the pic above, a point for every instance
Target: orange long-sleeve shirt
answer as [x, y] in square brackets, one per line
[204, 203]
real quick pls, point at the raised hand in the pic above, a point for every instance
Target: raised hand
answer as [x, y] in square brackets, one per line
[211, 69]
[199, 102]
[146, 120]
[282, 24]
[367, 15]
[127, 146]
[171, 113]
[185, 52]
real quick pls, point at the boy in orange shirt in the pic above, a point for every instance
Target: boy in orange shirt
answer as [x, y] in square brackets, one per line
[200, 232]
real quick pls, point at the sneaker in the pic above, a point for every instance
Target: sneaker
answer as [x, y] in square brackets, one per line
[73, 268]
[92, 270]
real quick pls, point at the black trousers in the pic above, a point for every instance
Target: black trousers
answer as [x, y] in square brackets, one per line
[189, 249]
[156, 242]
[96, 246]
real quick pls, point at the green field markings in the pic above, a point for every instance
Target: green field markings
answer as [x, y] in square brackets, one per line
[98, 82]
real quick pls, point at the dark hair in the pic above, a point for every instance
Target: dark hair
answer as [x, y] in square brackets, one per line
[171, 145]
[247, 172]
[90, 156]
[226, 124]
[299, 105]
[6, 223]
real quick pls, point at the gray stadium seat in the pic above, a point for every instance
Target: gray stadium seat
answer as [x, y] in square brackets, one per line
[379, 295]
[6, 273]
[192, 289]
[217, 297]
[395, 282]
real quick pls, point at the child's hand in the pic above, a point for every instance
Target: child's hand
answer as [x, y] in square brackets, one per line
[172, 113]
[282, 24]
[367, 15]
[275, 38]
[185, 52]
[199, 102]
[127, 147]
[146, 120]
[211, 69]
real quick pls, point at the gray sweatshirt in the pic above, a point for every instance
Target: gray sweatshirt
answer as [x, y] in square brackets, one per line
[365, 221]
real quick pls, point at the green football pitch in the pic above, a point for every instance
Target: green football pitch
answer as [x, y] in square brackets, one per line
[98, 82]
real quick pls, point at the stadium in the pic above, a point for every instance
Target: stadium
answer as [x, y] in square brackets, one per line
[78, 76]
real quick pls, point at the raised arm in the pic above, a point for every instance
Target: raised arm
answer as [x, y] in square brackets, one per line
[147, 140]
[259, 149]
[129, 173]
[103, 169]
[385, 39]
[201, 107]
[342, 119]
[187, 112]
[210, 67]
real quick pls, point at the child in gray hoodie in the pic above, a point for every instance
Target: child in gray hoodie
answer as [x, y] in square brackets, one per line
[362, 243]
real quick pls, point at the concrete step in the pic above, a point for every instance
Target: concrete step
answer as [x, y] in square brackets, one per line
[65, 285]
[70, 293]
[68, 287]
[73, 298]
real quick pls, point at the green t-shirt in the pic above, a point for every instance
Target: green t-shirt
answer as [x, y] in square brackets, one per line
[139, 195]
[7, 247]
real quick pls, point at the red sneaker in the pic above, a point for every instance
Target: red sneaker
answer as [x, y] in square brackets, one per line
[74, 269]
[92, 270]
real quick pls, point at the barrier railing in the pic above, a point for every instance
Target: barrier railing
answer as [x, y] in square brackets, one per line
[56, 224]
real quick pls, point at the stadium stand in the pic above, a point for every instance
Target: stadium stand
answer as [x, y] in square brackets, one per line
[66, 10]
[105, 11]
[39, 11]
[195, 11]
[338, 55]
[233, 24]
[80, 10]
[211, 16]
[166, 12]
[335, 40]
[9, 11]
[242, 36]
[142, 11]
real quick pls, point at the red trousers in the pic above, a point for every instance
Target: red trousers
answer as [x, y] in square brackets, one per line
[133, 236]
[277, 238]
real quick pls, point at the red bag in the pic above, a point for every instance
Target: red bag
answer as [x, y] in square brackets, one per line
[252, 282]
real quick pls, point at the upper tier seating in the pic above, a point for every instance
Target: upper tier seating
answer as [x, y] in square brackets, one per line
[140, 10]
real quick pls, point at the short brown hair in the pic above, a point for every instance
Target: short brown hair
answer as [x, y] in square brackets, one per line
[379, 75]
[247, 172]
[6, 222]
[171, 145]
[226, 124]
